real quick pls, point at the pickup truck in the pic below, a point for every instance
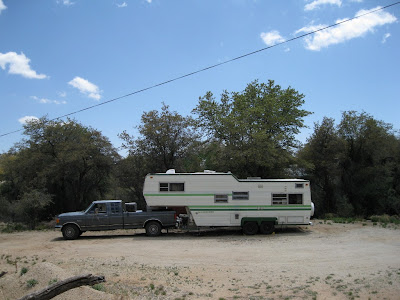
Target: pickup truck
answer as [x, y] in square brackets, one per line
[111, 215]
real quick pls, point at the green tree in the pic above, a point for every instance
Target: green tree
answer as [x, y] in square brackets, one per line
[31, 206]
[353, 166]
[321, 157]
[255, 129]
[70, 161]
[368, 163]
[166, 140]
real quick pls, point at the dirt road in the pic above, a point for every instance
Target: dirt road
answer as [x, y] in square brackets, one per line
[325, 261]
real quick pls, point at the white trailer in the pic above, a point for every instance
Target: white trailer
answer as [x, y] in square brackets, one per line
[220, 199]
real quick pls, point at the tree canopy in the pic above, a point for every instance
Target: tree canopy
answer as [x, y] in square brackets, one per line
[255, 130]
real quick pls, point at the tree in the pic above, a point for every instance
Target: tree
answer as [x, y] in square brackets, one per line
[255, 129]
[353, 166]
[68, 160]
[321, 156]
[31, 206]
[166, 140]
[368, 163]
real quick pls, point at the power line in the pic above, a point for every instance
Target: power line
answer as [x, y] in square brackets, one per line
[212, 66]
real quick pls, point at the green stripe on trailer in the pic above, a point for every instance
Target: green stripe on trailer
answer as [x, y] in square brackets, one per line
[247, 209]
[179, 195]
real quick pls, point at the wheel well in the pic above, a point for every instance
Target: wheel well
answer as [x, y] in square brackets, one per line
[71, 223]
[258, 220]
[152, 220]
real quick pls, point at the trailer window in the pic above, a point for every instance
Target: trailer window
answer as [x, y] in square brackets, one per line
[279, 199]
[172, 186]
[285, 199]
[240, 195]
[164, 187]
[218, 198]
[299, 185]
[295, 198]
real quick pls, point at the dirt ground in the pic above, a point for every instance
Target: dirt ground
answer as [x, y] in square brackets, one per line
[324, 261]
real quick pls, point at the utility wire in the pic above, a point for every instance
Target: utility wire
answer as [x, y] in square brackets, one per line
[213, 66]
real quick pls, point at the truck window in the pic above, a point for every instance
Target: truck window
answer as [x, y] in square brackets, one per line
[98, 208]
[115, 208]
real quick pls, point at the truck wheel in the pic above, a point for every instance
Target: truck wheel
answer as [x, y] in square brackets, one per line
[153, 228]
[267, 227]
[250, 228]
[70, 232]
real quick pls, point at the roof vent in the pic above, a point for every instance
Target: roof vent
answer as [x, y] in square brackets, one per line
[170, 171]
[209, 171]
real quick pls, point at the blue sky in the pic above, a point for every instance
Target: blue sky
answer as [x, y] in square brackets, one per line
[59, 56]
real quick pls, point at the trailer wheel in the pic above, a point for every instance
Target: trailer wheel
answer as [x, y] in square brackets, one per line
[153, 228]
[250, 228]
[267, 227]
[70, 232]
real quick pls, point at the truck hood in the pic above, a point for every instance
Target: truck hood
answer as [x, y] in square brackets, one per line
[71, 214]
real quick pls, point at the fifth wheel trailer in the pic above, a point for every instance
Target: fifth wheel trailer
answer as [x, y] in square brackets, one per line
[213, 199]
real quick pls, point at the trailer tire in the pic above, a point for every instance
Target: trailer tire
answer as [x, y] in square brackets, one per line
[267, 227]
[250, 228]
[153, 228]
[70, 232]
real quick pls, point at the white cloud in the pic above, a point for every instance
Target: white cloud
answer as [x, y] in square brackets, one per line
[271, 38]
[2, 6]
[66, 2]
[149, 1]
[48, 101]
[18, 64]
[27, 119]
[317, 3]
[124, 4]
[86, 87]
[385, 37]
[62, 94]
[346, 31]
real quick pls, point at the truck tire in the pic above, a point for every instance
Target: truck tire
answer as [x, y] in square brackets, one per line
[70, 232]
[267, 227]
[250, 228]
[153, 228]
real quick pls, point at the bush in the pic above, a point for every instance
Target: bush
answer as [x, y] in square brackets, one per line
[385, 219]
[13, 227]
[31, 283]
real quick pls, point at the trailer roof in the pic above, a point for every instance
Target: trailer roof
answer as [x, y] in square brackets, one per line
[213, 173]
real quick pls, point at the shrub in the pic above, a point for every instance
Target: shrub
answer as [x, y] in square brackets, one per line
[13, 227]
[31, 283]
[23, 271]
[99, 287]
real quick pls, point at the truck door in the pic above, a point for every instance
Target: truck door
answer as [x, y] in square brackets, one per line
[116, 219]
[97, 217]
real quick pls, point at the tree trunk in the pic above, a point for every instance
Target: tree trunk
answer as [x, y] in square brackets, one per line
[63, 286]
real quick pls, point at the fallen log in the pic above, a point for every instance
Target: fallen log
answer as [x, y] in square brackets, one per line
[63, 286]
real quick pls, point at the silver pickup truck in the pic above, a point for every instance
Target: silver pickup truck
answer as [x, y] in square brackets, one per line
[111, 215]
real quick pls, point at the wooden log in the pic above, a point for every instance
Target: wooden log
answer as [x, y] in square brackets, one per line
[63, 286]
